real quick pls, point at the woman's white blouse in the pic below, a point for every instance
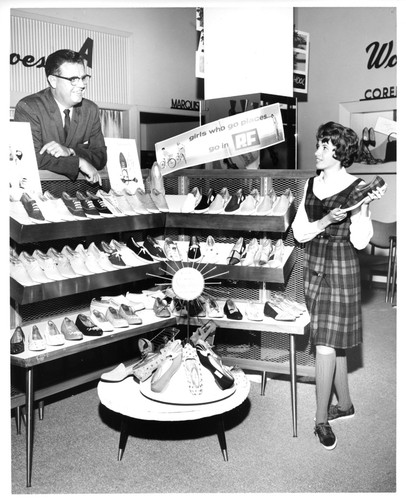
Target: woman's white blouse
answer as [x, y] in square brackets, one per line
[361, 230]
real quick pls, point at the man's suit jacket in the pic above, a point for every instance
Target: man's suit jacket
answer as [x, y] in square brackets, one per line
[85, 135]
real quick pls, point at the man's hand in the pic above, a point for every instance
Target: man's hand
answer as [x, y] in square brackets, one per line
[55, 149]
[88, 170]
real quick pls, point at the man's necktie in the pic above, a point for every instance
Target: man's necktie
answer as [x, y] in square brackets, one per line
[67, 122]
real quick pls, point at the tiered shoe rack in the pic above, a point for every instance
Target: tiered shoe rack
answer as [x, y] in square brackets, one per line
[268, 347]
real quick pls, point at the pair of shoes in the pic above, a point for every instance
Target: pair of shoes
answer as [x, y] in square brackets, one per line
[88, 206]
[210, 360]
[234, 204]
[282, 203]
[254, 312]
[361, 192]
[205, 202]
[326, 435]
[76, 261]
[231, 310]
[168, 367]
[266, 204]
[194, 253]
[192, 367]
[336, 413]
[73, 205]
[140, 251]
[265, 252]
[99, 319]
[33, 268]
[87, 327]
[237, 252]
[17, 341]
[272, 310]
[211, 255]
[31, 207]
[99, 204]
[19, 272]
[70, 331]
[220, 202]
[251, 202]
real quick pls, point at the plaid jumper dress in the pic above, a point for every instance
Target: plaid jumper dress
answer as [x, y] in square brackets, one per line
[332, 281]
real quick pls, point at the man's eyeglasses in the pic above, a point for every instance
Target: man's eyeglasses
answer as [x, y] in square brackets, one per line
[74, 80]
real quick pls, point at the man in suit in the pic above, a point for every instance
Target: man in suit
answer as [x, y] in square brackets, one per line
[65, 142]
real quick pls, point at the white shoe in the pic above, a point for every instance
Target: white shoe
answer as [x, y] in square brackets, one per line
[33, 268]
[110, 202]
[48, 265]
[135, 203]
[250, 256]
[192, 200]
[129, 257]
[171, 250]
[62, 262]
[210, 254]
[19, 272]
[117, 300]
[254, 312]
[141, 298]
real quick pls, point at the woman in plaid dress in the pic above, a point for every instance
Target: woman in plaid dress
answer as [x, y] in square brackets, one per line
[332, 283]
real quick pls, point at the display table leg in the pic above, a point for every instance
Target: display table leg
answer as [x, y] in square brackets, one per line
[29, 398]
[293, 388]
[222, 437]
[123, 437]
[263, 383]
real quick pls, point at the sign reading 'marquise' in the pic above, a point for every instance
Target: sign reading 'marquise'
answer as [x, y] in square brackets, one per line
[185, 104]
[380, 57]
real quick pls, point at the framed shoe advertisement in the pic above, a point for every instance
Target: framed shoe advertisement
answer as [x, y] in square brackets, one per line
[23, 168]
[123, 165]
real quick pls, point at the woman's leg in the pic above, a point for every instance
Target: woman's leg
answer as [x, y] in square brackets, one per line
[325, 367]
[341, 381]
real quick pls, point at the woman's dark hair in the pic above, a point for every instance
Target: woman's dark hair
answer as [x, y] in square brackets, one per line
[56, 59]
[344, 139]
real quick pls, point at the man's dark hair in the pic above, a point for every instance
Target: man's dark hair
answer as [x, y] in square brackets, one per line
[56, 59]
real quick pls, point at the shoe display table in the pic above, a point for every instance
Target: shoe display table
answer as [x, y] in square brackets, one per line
[127, 399]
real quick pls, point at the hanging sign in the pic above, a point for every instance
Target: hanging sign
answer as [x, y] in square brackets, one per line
[224, 138]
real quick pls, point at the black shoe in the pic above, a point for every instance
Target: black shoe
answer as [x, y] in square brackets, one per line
[154, 249]
[210, 360]
[361, 192]
[17, 341]
[87, 205]
[194, 252]
[326, 436]
[231, 310]
[336, 413]
[205, 201]
[87, 327]
[139, 251]
[233, 205]
[31, 207]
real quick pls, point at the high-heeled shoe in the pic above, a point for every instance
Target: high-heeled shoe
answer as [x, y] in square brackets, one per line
[358, 195]
[167, 369]
[210, 360]
[17, 341]
[371, 137]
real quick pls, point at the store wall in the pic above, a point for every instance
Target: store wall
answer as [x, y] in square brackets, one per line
[162, 48]
[338, 66]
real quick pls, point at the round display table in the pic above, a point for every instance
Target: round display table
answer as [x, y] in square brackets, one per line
[129, 400]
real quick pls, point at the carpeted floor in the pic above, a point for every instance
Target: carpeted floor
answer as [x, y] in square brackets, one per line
[76, 444]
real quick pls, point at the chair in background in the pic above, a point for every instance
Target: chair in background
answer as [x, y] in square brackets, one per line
[381, 264]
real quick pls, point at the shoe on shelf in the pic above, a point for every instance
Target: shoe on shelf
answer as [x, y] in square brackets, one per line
[233, 206]
[33, 268]
[282, 203]
[99, 204]
[129, 314]
[122, 202]
[326, 435]
[156, 180]
[154, 249]
[20, 273]
[117, 300]
[48, 208]
[265, 251]
[266, 204]
[101, 257]
[127, 255]
[99, 319]
[210, 360]
[119, 373]
[205, 202]
[87, 327]
[62, 262]
[210, 254]
[231, 310]
[159, 199]
[135, 202]
[142, 255]
[194, 253]
[161, 308]
[111, 202]
[251, 202]
[254, 312]
[113, 255]
[36, 341]
[48, 265]
[147, 201]
[52, 335]
[278, 254]
[203, 332]
[146, 301]
[73, 205]
[361, 192]
[192, 201]
[336, 413]
[213, 309]
[17, 341]
[89, 259]
[70, 331]
[237, 252]
[192, 367]
[145, 346]
[271, 310]
[76, 261]
[250, 256]
[31, 207]
[88, 206]
[220, 202]
[168, 367]
[171, 250]
[115, 318]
